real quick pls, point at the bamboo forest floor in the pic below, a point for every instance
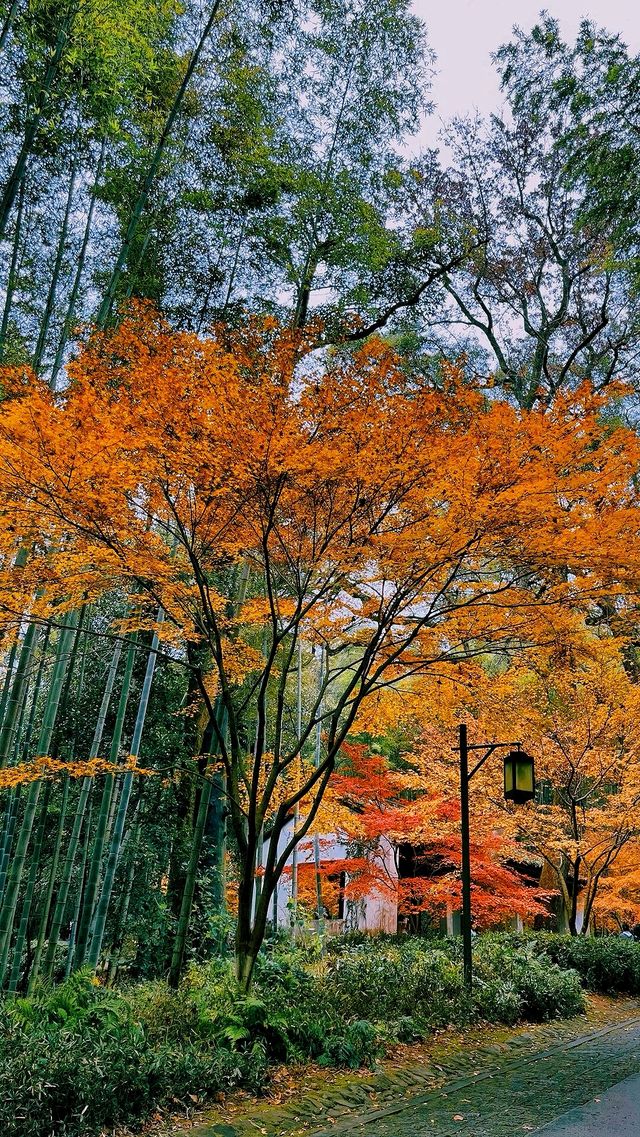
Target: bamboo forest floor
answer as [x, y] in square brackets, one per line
[484, 1082]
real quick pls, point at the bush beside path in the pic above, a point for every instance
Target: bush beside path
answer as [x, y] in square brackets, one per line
[78, 1059]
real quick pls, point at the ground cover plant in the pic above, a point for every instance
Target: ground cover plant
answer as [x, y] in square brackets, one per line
[79, 1058]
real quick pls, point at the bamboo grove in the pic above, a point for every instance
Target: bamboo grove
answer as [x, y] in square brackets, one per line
[344, 444]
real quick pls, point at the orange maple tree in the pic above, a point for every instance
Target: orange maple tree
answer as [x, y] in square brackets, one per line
[260, 503]
[580, 715]
[401, 827]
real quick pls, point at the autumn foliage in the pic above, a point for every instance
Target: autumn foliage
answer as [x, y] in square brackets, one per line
[262, 498]
[415, 814]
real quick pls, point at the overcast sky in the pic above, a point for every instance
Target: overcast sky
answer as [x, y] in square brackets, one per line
[464, 32]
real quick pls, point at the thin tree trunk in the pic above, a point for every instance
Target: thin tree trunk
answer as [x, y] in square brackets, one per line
[6, 686]
[180, 942]
[46, 907]
[16, 696]
[33, 122]
[296, 812]
[13, 269]
[119, 933]
[37, 850]
[6, 27]
[316, 839]
[8, 910]
[71, 948]
[77, 280]
[100, 838]
[7, 837]
[27, 901]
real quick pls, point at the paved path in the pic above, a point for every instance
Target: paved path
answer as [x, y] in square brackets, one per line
[503, 1088]
[517, 1095]
[615, 1114]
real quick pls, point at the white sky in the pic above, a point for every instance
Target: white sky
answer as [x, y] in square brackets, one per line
[464, 32]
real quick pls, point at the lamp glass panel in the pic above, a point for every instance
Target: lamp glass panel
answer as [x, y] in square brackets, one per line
[524, 775]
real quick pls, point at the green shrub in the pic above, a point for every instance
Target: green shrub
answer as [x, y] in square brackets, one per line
[608, 964]
[545, 990]
[78, 1059]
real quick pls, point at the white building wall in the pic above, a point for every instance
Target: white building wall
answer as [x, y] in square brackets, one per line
[377, 912]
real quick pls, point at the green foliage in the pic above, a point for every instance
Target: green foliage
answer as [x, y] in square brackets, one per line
[607, 964]
[78, 1059]
[544, 990]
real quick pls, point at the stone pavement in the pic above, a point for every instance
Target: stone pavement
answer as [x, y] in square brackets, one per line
[510, 1086]
[615, 1114]
[513, 1097]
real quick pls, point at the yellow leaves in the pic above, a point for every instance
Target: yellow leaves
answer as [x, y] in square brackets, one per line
[239, 660]
[45, 768]
[258, 610]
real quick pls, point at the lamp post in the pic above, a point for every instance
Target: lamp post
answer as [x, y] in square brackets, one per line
[519, 785]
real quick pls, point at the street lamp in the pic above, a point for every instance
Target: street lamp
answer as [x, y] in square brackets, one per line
[519, 786]
[519, 776]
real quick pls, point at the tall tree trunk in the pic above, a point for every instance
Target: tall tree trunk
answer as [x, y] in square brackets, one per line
[296, 815]
[121, 925]
[67, 325]
[13, 270]
[6, 27]
[16, 695]
[573, 914]
[8, 679]
[33, 122]
[90, 892]
[55, 275]
[27, 900]
[46, 907]
[191, 876]
[71, 948]
[11, 815]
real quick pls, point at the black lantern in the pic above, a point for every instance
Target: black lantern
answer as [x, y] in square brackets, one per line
[519, 776]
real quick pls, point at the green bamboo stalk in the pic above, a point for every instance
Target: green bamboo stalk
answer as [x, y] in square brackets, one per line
[6, 27]
[23, 740]
[46, 907]
[121, 925]
[74, 840]
[21, 934]
[80, 263]
[33, 121]
[23, 747]
[96, 934]
[143, 196]
[13, 269]
[16, 695]
[55, 275]
[71, 949]
[95, 863]
[180, 941]
[7, 836]
[6, 686]
[8, 910]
